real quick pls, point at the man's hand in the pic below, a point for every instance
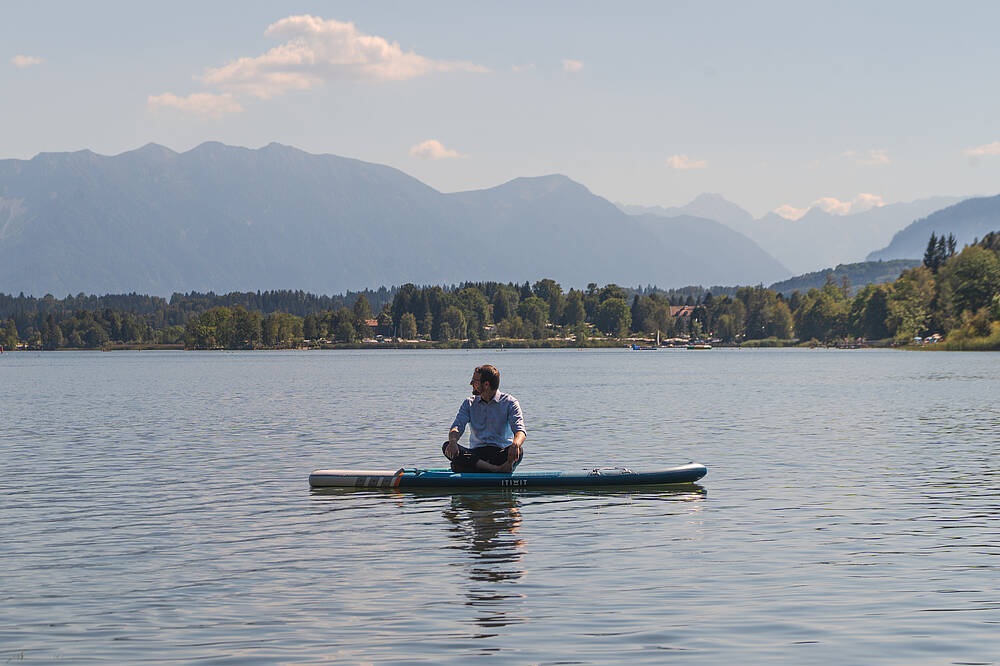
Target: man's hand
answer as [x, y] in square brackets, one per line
[451, 450]
[513, 453]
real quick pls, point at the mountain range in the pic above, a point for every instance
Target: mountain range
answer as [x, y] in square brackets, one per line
[966, 221]
[220, 218]
[817, 239]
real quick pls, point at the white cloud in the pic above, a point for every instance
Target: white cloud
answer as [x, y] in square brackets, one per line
[685, 162]
[790, 212]
[205, 105]
[984, 150]
[22, 61]
[522, 68]
[873, 157]
[317, 50]
[433, 150]
[571, 65]
[858, 204]
[865, 201]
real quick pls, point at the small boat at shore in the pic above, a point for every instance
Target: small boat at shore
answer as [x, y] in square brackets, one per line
[636, 347]
[699, 345]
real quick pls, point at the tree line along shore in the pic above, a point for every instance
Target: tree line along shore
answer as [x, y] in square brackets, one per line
[953, 296]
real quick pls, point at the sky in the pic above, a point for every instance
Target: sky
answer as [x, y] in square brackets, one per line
[774, 105]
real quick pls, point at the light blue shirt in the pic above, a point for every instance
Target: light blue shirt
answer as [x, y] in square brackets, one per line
[490, 423]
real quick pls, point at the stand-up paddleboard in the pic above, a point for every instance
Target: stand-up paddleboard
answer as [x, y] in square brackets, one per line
[443, 478]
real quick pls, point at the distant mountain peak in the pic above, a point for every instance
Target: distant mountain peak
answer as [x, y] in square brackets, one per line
[85, 153]
[152, 151]
[535, 187]
[275, 147]
[711, 197]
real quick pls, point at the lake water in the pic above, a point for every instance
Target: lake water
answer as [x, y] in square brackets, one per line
[155, 507]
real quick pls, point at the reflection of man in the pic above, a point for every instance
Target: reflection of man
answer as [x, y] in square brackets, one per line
[488, 526]
[495, 424]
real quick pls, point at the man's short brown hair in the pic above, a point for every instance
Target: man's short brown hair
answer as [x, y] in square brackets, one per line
[489, 375]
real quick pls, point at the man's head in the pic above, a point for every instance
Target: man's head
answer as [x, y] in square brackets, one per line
[485, 381]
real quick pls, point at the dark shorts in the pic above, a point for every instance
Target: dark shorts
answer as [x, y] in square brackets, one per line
[466, 459]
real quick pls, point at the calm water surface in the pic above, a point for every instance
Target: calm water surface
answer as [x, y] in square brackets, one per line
[155, 507]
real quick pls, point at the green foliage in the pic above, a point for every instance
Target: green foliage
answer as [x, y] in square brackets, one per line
[938, 251]
[362, 308]
[535, 313]
[504, 302]
[991, 241]
[574, 311]
[8, 335]
[475, 310]
[964, 339]
[823, 314]
[52, 337]
[455, 321]
[342, 328]
[971, 278]
[766, 314]
[869, 312]
[911, 304]
[408, 326]
[769, 342]
[614, 317]
[611, 291]
[728, 316]
[550, 292]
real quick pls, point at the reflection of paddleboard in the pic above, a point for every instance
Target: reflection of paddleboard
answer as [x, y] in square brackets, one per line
[437, 478]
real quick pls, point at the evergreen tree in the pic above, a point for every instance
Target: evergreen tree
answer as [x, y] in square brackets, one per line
[930, 254]
[575, 312]
[362, 309]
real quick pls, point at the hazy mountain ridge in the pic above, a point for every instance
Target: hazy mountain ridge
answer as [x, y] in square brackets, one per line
[710, 206]
[818, 238]
[225, 218]
[966, 220]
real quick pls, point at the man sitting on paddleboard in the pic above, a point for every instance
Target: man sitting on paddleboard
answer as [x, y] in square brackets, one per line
[496, 428]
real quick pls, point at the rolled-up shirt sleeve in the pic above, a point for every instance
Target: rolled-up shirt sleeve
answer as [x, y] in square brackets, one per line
[462, 418]
[514, 417]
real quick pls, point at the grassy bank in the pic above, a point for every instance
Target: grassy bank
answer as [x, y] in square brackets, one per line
[768, 342]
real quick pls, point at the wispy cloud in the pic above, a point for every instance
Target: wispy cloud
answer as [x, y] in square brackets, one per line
[22, 61]
[316, 50]
[522, 68]
[873, 157]
[205, 105]
[684, 162]
[984, 150]
[433, 150]
[858, 204]
[571, 65]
